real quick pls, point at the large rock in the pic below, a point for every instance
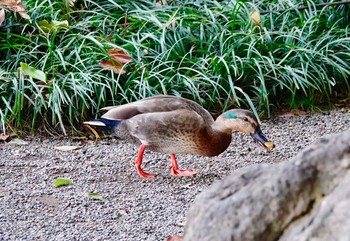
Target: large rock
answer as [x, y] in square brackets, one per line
[305, 198]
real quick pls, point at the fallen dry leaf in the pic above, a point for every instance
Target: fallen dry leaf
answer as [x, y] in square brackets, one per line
[8, 3]
[4, 137]
[119, 59]
[15, 6]
[293, 112]
[18, 141]
[112, 65]
[298, 112]
[255, 16]
[119, 55]
[24, 15]
[2, 16]
[67, 148]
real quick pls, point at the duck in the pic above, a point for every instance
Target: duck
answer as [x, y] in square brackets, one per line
[175, 125]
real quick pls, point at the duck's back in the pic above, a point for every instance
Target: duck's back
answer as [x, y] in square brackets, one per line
[155, 104]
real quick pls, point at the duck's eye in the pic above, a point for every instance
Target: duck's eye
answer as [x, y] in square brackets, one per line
[245, 119]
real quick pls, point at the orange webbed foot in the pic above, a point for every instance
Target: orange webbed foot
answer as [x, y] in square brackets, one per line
[175, 171]
[143, 174]
[138, 162]
[183, 173]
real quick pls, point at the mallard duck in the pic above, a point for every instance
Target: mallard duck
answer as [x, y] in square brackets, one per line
[173, 125]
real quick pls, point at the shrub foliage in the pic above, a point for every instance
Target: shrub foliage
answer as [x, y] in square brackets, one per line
[208, 51]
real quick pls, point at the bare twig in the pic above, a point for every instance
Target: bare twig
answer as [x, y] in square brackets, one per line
[125, 25]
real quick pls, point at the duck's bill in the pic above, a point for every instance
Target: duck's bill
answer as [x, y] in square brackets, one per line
[259, 137]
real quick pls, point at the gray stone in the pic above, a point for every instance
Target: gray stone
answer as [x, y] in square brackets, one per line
[305, 198]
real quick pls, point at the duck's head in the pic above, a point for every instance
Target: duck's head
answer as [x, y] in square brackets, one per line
[244, 121]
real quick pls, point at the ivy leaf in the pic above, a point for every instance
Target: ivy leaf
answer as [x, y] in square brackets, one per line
[61, 181]
[32, 72]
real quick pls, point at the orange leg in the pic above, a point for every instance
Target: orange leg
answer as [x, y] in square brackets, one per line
[174, 168]
[138, 163]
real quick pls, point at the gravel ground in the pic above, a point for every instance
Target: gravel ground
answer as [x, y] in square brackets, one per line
[132, 209]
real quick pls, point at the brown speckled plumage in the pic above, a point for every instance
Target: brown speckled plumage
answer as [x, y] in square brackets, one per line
[170, 124]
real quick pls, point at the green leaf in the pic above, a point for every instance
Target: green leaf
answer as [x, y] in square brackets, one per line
[96, 196]
[62, 24]
[53, 26]
[45, 26]
[32, 72]
[61, 181]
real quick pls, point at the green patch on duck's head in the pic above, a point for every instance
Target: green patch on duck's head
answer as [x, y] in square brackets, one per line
[230, 114]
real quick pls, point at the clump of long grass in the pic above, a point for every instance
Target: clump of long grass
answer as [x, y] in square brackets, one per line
[208, 51]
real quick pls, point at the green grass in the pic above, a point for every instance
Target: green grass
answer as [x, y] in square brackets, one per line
[207, 51]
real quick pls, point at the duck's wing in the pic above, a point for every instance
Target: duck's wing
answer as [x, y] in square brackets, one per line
[167, 132]
[155, 104]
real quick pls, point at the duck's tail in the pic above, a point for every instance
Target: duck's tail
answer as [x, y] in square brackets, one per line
[103, 124]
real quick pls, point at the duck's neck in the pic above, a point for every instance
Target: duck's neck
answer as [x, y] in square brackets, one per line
[215, 141]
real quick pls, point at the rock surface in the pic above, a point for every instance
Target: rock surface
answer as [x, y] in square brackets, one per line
[305, 198]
